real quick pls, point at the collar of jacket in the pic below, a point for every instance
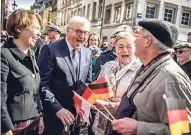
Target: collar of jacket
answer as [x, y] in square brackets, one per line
[15, 50]
[187, 66]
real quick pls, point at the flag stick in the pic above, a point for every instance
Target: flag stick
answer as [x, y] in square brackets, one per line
[94, 107]
[107, 111]
[105, 108]
[100, 112]
[103, 105]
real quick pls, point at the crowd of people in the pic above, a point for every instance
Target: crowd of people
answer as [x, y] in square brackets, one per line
[39, 75]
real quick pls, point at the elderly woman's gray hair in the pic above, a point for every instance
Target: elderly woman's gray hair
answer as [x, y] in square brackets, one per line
[126, 35]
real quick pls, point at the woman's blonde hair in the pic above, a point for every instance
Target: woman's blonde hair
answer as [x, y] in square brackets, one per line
[19, 20]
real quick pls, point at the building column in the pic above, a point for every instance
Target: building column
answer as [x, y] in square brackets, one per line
[161, 11]
[178, 16]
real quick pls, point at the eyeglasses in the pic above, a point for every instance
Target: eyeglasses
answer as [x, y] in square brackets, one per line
[181, 51]
[35, 27]
[93, 40]
[79, 32]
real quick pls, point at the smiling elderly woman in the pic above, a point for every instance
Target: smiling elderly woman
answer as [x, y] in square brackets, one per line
[120, 73]
[20, 79]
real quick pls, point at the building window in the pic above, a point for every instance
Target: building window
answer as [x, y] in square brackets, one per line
[104, 39]
[79, 11]
[100, 8]
[117, 14]
[88, 12]
[94, 10]
[108, 15]
[185, 18]
[151, 10]
[62, 17]
[169, 14]
[128, 11]
[84, 10]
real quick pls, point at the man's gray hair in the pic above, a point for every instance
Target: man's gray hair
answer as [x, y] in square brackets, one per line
[156, 42]
[78, 19]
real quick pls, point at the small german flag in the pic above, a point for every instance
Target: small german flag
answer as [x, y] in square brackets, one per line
[102, 88]
[177, 116]
[86, 93]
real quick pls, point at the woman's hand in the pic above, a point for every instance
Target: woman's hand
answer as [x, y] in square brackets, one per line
[100, 103]
[115, 99]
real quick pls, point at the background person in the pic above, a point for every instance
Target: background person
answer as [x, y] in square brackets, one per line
[183, 55]
[53, 33]
[189, 37]
[93, 44]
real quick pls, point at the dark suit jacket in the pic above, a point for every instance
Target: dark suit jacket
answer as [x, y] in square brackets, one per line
[58, 78]
[102, 59]
[19, 86]
[37, 48]
[187, 68]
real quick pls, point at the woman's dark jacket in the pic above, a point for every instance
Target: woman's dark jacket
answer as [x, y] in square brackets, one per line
[19, 86]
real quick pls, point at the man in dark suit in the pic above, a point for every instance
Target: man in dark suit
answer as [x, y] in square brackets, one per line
[62, 64]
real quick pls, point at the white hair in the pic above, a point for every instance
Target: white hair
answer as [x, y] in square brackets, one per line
[78, 19]
[156, 42]
[126, 35]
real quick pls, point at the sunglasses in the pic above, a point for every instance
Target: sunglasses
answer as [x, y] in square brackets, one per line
[181, 51]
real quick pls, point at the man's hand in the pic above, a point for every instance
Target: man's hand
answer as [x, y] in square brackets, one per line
[41, 126]
[8, 133]
[65, 116]
[125, 126]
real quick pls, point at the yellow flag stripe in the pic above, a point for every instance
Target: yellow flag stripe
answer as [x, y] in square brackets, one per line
[105, 96]
[92, 99]
[179, 128]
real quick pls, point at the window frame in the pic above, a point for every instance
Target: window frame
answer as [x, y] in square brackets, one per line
[88, 12]
[84, 11]
[117, 7]
[131, 12]
[94, 11]
[189, 21]
[105, 17]
[155, 12]
[173, 13]
[100, 8]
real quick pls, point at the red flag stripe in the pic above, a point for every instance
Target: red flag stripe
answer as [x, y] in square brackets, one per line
[102, 90]
[78, 104]
[101, 80]
[87, 93]
[177, 115]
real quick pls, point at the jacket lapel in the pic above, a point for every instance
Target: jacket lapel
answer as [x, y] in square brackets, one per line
[66, 55]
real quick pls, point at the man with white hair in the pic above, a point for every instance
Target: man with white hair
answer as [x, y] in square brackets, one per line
[62, 63]
[142, 110]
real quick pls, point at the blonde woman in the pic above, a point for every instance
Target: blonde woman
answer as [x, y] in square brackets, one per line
[20, 79]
